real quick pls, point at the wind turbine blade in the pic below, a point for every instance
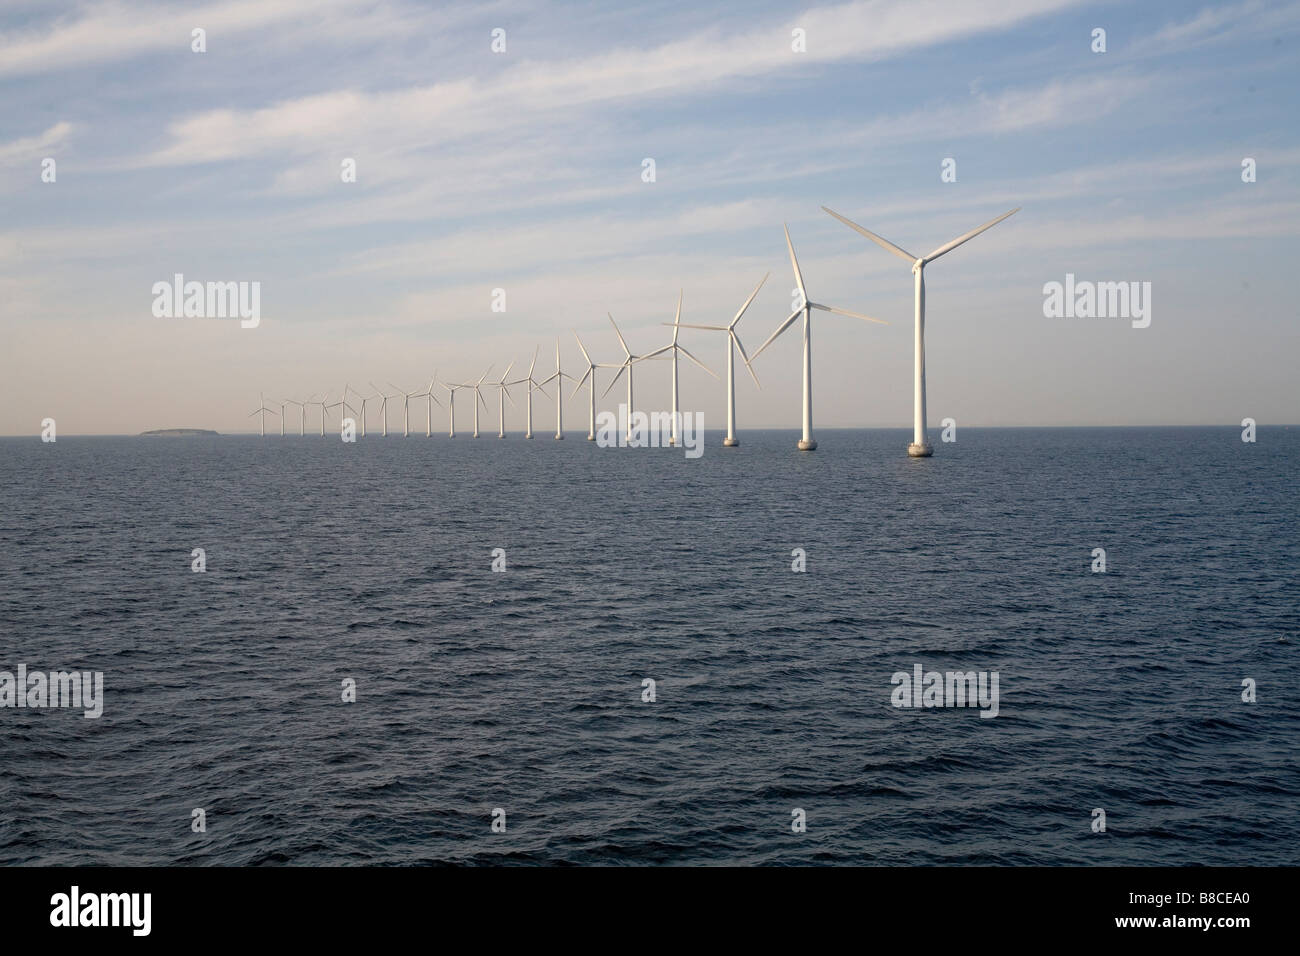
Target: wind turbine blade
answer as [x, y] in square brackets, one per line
[614, 380]
[666, 348]
[577, 388]
[506, 392]
[949, 247]
[534, 364]
[677, 328]
[583, 347]
[748, 301]
[856, 315]
[506, 374]
[781, 328]
[479, 395]
[798, 276]
[626, 350]
[253, 412]
[878, 240]
[686, 325]
[740, 345]
[697, 361]
[484, 375]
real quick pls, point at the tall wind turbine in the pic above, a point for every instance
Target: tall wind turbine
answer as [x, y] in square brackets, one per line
[559, 377]
[733, 343]
[626, 365]
[503, 393]
[323, 406]
[591, 389]
[451, 408]
[428, 428]
[383, 409]
[283, 403]
[807, 442]
[343, 406]
[533, 385]
[919, 448]
[406, 397]
[302, 415]
[478, 397]
[675, 348]
[261, 407]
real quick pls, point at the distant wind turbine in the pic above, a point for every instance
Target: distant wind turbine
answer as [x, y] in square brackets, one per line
[733, 343]
[406, 397]
[478, 397]
[558, 378]
[919, 448]
[383, 409]
[302, 416]
[807, 442]
[675, 348]
[451, 408]
[591, 389]
[261, 407]
[428, 427]
[626, 366]
[533, 385]
[343, 406]
[323, 406]
[503, 393]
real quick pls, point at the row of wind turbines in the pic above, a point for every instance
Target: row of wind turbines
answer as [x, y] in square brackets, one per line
[919, 447]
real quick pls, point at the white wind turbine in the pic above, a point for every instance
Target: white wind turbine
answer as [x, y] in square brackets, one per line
[626, 365]
[383, 409]
[428, 428]
[406, 397]
[343, 406]
[559, 377]
[591, 389]
[302, 415]
[283, 403]
[533, 385]
[451, 408]
[807, 442]
[323, 406]
[261, 407]
[733, 343]
[478, 397]
[675, 348]
[503, 393]
[919, 448]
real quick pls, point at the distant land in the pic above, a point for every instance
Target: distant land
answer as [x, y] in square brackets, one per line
[179, 432]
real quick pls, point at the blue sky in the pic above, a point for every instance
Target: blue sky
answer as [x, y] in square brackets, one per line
[522, 170]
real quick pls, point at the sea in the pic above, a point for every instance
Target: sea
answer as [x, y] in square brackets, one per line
[423, 650]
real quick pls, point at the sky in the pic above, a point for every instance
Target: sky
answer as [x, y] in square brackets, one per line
[524, 170]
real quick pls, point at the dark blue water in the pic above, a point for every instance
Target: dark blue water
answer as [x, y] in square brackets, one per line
[522, 690]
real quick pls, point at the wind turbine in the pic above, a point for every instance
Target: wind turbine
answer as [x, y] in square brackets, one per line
[478, 397]
[675, 348]
[533, 385]
[626, 364]
[919, 448]
[283, 403]
[322, 405]
[733, 343]
[591, 389]
[261, 403]
[406, 397]
[503, 392]
[302, 413]
[451, 408]
[383, 409]
[807, 442]
[559, 378]
[428, 428]
[342, 405]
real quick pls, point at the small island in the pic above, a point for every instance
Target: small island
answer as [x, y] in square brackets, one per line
[179, 432]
